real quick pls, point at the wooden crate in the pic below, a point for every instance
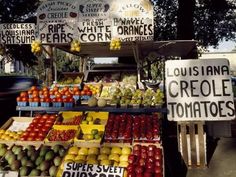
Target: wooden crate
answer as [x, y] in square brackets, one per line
[192, 143]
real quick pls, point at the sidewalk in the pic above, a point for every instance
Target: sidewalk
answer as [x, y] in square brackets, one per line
[222, 163]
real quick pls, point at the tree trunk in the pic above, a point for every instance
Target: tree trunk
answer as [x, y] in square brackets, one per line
[185, 27]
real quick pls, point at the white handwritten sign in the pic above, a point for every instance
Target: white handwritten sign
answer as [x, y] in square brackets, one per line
[132, 20]
[199, 90]
[94, 23]
[87, 170]
[17, 33]
[56, 21]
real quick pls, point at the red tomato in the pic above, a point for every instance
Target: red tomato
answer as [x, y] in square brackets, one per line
[86, 88]
[52, 117]
[25, 99]
[41, 134]
[83, 92]
[32, 125]
[36, 130]
[71, 100]
[77, 93]
[25, 134]
[33, 88]
[42, 121]
[18, 98]
[75, 88]
[45, 89]
[48, 100]
[42, 99]
[51, 92]
[32, 134]
[39, 125]
[65, 100]
[30, 92]
[30, 138]
[55, 88]
[59, 99]
[36, 99]
[23, 94]
[54, 100]
[29, 129]
[49, 122]
[40, 92]
[45, 116]
[89, 93]
[45, 129]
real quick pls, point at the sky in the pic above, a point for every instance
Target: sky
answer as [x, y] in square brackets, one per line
[224, 46]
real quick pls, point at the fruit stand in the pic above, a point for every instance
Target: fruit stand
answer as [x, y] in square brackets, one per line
[73, 131]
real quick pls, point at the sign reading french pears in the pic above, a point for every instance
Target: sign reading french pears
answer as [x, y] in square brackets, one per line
[56, 20]
[17, 33]
[94, 23]
[199, 90]
[132, 20]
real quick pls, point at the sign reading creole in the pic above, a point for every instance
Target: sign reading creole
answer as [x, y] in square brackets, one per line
[56, 20]
[199, 90]
[17, 33]
[133, 20]
[89, 170]
[94, 23]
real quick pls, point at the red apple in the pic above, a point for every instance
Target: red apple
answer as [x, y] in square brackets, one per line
[131, 174]
[142, 162]
[137, 147]
[157, 170]
[147, 174]
[131, 159]
[130, 168]
[144, 155]
[157, 163]
[139, 170]
[151, 147]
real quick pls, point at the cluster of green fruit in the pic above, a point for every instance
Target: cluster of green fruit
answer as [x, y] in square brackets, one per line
[69, 80]
[158, 98]
[126, 97]
[89, 120]
[137, 97]
[93, 135]
[30, 161]
[116, 96]
[116, 156]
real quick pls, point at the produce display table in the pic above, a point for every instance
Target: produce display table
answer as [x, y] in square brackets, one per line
[86, 108]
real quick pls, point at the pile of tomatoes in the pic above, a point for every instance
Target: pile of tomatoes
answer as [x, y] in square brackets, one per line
[61, 135]
[38, 128]
[56, 94]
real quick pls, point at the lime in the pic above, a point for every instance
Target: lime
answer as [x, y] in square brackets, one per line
[94, 131]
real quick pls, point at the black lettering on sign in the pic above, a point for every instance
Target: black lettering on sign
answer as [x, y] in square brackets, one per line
[66, 174]
[99, 169]
[230, 106]
[205, 88]
[92, 175]
[102, 175]
[224, 86]
[172, 92]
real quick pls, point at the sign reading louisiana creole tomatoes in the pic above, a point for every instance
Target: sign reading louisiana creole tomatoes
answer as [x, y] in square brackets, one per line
[132, 20]
[56, 20]
[199, 90]
[94, 23]
[17, 33]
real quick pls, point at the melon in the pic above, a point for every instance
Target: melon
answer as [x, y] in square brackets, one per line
[102, 102]
[92, 102]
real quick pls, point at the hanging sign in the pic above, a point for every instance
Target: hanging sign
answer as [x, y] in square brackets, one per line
[94, 23]
[199, 90]
[17, 33]
[72, 169]
[56, 21]
[132, 20]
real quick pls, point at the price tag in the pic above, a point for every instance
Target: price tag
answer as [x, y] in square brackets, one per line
[8, 174]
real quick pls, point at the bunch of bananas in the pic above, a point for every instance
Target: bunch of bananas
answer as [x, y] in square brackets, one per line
[75, 46]
[115, 44]
[36, 47]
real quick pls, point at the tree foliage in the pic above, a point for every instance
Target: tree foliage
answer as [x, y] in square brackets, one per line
[213, 20]
[19, 11]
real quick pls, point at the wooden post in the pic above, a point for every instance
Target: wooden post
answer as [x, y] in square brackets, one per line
[192, 143]
[49, 68]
